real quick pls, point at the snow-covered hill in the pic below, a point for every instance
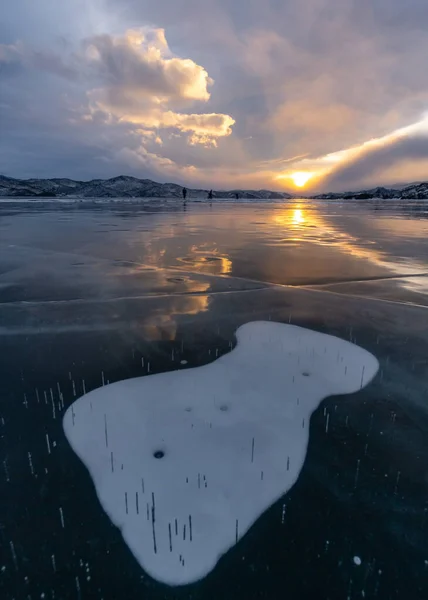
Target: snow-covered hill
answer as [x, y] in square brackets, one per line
[419, 190]
[379, 192]
[414, 190]
[117, 187]
[132, 187]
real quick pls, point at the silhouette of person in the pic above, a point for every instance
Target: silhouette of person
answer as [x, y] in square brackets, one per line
[237, 196]
[184, 194]
[210, 195]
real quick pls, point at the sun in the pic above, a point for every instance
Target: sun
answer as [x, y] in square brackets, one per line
[301, 178]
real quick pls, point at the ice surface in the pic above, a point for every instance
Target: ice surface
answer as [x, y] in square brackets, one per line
[185, 462]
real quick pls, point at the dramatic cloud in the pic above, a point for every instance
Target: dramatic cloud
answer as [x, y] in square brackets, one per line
[215, 93]
[140, 62]
[142, 80]
[378, 161]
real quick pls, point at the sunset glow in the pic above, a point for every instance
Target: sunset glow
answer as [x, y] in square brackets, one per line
[220, 107]
[300, 178]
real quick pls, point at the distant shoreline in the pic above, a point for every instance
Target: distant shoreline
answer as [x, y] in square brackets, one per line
[127, 187]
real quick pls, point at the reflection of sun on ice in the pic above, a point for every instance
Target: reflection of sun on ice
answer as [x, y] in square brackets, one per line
[301, 178]
[294, 217]
[298, 217]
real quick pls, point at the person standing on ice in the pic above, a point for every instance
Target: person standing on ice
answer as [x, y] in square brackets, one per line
[184, 194]
[210, 195]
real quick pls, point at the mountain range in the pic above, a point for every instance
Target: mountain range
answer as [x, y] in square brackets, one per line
[132, 187]
[411, 191]
[117, 187]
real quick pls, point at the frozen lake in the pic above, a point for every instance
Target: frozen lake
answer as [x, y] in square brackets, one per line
[92, 294]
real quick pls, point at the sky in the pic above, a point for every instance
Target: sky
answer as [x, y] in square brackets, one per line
[279, 94]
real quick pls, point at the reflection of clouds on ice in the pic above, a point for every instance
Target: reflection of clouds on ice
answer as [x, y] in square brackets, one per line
[208, 259]
[163, 325]
[185, 462]
[205, 257]
[416, 284]
[191, 299]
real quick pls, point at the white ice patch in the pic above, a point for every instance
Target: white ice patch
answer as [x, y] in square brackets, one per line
[185, 462]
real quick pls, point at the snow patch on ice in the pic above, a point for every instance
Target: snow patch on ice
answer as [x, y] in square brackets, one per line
[185, 462]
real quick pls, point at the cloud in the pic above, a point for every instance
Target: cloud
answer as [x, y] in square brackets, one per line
[379, 161]
[140, 63]
[312, 122]
[203, 128]
[398, 157]
[10, 54]
[18, 55]
[54, 64]
[316, 78]
[11, 60]
[142, 80]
